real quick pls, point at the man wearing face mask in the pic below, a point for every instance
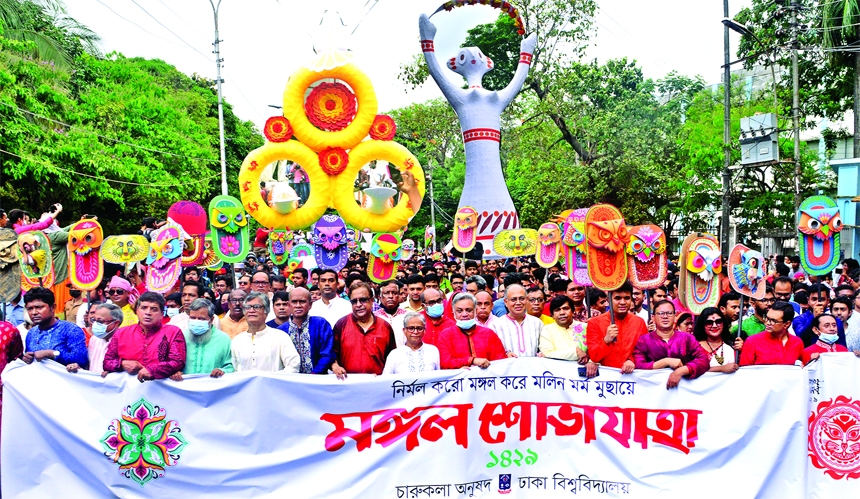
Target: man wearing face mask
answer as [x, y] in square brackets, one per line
[467, 344]
[70, 309]
[432, 300]
[207, 348]
[824, 327]
[107, 318]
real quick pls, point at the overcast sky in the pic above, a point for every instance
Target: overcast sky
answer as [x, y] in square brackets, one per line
[264, 41]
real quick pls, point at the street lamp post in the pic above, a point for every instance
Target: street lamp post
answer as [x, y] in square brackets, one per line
[218, 81]
[727, 131]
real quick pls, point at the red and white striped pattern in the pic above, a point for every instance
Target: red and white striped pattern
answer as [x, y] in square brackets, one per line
[525, 58]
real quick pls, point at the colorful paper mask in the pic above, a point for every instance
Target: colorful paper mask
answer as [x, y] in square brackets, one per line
[210, 259]
[85, 262]
[301, 250]
[575, 247]
[125, 249]
[229, 229]
[607, 236]
[646, 256]
[818, 230]
[747, 271]
[280, 242]
[699, 283]
[164, 265]
[516, 242]
[407, 249]
[192, 218]
[384, 257]
[549, 245]
[465, 229]
[34, 255]
[329, 237]
[352, 240]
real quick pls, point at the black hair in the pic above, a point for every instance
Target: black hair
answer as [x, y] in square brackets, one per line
[280, 295]
[41, 294]
[174, 297]
[414, 279]
[471, 264]
[151, 297]
[626, 287]
[558, 286]
[699, 326]
[726, 298]
[786, 309]
[279, 278]
[196, 284]
[557, 302]
[301, 271]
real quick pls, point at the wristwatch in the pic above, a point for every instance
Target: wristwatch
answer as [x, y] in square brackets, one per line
[56, 353]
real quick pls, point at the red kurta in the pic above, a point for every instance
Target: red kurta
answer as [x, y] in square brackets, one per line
[458, 349]
[360, 351]
[161, 352]
[616, 353]
[763, 349]
[431, 333]
[820, 347]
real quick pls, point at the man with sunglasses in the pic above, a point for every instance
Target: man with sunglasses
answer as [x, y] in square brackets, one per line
[776, 346]
[361, 340]
[755, 324]
[119, 293]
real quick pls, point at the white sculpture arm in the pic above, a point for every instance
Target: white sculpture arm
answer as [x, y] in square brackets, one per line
[509, 93]
[450, 90]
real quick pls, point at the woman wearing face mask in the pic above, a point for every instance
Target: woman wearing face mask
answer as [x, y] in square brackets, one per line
[207, 348]
[105, 319]
[824, 326]
[712, 331]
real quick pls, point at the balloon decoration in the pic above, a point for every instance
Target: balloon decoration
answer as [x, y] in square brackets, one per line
[699, 283]
[229, 229]
[329, 237]
[575, 247]
[192, 218]
[465, 229]
[329, 121]
[549, 245]
[385, 257]
[279, 242]
[818, 232]
[125, 249]
[607, 235]
[515, 243]
[85, 263]
[34, 255]
[746, 271]
[164, 264]
[646, 256]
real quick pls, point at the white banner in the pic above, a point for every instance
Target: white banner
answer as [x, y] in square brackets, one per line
[528, 426]
[834, 426]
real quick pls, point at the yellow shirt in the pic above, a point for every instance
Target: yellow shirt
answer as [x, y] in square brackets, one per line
[547, 320]
[129, 318]
[233, 328]
[558, 343]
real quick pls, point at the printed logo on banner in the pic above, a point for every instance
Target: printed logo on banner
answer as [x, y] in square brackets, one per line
[143, 442]
[834, 437]
[505, 483]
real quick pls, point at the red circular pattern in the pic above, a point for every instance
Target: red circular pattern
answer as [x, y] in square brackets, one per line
[278, 129]
[333, 160]
[383, 128]
[331, 106]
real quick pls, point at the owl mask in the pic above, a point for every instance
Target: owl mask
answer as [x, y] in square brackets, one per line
[516, 242]
[646, 256]
[329, 237]
[384, 257]
[229, 227]
[465, 229]
[85, 262]
[607, 236]
[699, 286]
[280, 242]
[34, 255]
[747, 271]
[164, 265]
[549, 244]
[574, 248]
[125, 249]
[818, 230]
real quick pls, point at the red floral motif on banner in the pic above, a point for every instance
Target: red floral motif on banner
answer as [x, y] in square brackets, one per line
[834, 437]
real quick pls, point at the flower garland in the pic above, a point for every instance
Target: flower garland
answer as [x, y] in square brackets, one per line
[507, 7]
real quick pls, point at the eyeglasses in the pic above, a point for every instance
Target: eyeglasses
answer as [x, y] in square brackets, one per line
[536, 300]
[771, 320]
[430, 303]
[235, 300]
[115, 292]
[664, 314]
[361, 300]
[254, 307]
[517, 299]
[414, 329]
[714, 322]
[766, 300]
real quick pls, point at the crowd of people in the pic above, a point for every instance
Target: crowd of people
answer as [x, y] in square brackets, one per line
[436, 314]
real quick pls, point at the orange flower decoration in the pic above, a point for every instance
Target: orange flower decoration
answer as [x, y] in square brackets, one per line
[331, 106]
[333, 160]
[383, 128]
[278, 129]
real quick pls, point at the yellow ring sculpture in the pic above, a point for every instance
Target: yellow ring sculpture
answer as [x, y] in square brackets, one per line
[249, 185]
[342, 186]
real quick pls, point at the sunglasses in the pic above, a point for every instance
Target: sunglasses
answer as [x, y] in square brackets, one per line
[713, 322]
[362, 300]
[115, 292]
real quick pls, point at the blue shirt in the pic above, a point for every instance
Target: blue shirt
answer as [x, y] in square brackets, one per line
[65, 337]
[321, 343]
[14, 313]
[802, 326]
[499, 307]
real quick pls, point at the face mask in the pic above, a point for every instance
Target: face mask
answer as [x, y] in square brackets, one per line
[466, 325]
[75, 293]
[828, 338]
[435, 311]
[172, 312]
[100, 330]
[198, 326]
